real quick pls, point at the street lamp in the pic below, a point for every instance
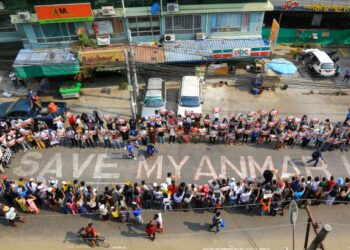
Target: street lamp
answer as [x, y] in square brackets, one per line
[293, 212]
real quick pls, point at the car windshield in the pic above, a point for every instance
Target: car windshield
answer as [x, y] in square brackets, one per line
[327, 66]
[190, 101]
[153, 102]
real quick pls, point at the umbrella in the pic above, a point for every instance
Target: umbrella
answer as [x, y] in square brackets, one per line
[282, 66]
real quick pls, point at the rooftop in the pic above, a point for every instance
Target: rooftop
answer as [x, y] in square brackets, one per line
[44, 56]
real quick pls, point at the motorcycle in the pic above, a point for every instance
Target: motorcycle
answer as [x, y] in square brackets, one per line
[86, 239]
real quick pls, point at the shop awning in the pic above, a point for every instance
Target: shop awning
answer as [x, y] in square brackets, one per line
[220, 49]
[45, 62]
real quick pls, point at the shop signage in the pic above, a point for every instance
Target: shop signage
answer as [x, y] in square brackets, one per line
[241, 52]
[99, 56]
[321, 7]
[64, 13]
[289, 4]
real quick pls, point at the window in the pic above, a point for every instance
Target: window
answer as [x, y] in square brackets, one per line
[245, 22]
[144, 26]
[260, 21]
[55, 32]
[110, 26]
[184, 24]
[225, 22]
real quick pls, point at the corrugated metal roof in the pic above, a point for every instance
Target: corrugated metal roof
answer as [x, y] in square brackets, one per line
[144, 53]
[44, 56]
[201, 50]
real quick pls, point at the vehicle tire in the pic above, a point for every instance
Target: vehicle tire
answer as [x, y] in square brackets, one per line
[101, 242]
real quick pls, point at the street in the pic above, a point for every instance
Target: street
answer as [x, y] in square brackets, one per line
[183, 230]
[193, 163]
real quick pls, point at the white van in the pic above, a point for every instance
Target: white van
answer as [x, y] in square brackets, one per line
[320, 62]
[190, 97]
[154, 98]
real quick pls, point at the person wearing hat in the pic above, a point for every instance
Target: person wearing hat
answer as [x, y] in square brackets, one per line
[11, 215]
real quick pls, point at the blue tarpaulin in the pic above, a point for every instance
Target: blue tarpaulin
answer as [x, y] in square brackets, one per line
[282, 66]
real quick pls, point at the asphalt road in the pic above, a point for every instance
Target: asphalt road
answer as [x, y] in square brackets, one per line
[193, 163]
[183, 230]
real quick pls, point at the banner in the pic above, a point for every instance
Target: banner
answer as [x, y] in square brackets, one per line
[99, 56]
[64, 13]
[274, 32]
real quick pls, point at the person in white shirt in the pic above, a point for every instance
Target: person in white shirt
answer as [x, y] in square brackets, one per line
[244, 197]
[159, 220]
[167, 202]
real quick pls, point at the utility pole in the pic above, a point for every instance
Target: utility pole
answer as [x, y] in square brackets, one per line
[293, 211]
[315, 227]
[133, 105]
[133, 66]
[320, 237]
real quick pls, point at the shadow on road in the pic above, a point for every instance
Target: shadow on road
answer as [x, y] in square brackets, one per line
[134, 231]
[72, 237]
[197, 226]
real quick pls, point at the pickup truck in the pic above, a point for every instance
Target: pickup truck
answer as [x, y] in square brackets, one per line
[21, 109]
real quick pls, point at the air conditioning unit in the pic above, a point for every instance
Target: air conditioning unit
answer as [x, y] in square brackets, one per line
[168, 38]
[172, 7]
[107, 10]
[200, 36]
[23, 15]
[103, 39]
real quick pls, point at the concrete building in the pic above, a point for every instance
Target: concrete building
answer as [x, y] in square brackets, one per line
[310, 21]
[52, 24]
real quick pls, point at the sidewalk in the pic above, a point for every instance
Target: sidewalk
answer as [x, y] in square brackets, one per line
[6, 85]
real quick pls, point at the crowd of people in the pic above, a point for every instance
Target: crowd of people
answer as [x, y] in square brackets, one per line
[262, 128]
[126, 202]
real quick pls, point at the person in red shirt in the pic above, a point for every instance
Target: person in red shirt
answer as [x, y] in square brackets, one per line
[331, 183]
[91, 234]
[151, 230]
[173, 188]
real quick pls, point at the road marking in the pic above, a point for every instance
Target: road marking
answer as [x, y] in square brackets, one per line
[158, 163]
[309, 169]
[78, 171]
[200, 172]
[268, 164]
[242, 174]
[178, 166]
[28, 167]
[56, 161]
[103, 165]
[346, 164]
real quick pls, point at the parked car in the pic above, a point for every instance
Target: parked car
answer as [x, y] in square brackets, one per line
[190, 98]
[320, 62]
[155, 97]
[21, 109]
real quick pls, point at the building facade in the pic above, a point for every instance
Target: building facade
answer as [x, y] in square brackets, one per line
[310, 21]
[55, 24]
